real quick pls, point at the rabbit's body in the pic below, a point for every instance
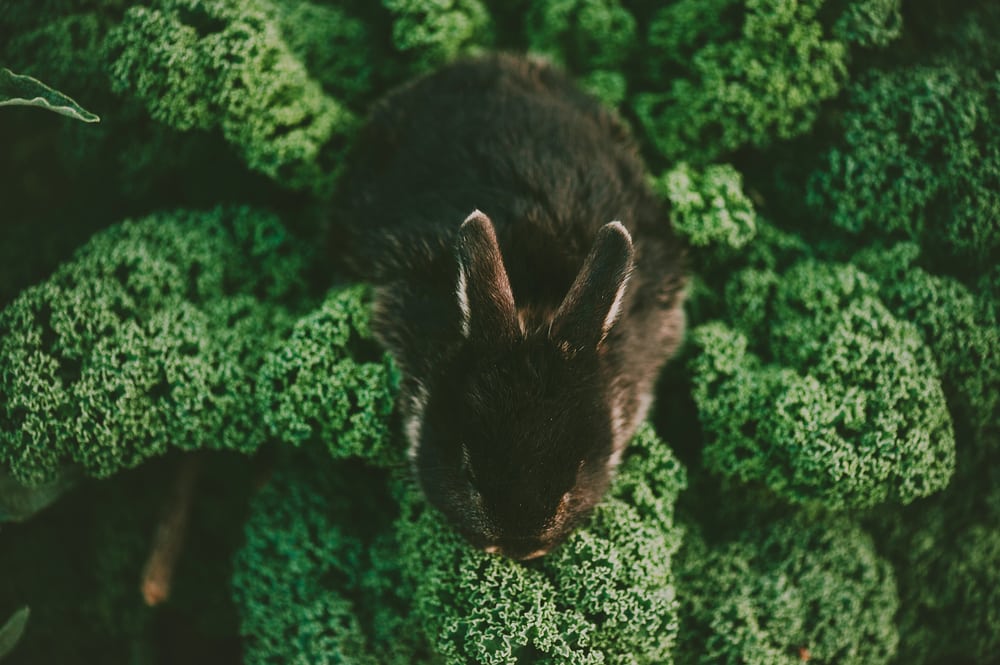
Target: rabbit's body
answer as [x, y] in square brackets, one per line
[506, 394]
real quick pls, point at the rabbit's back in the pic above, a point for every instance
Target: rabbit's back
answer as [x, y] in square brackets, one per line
[509, 136]
[549, 165]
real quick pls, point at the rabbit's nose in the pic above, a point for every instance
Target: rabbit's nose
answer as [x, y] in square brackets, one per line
[540, 552]
[520, 551]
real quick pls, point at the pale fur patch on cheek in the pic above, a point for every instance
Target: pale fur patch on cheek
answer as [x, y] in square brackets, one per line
[645, 401]
[623, 427]
[414, 422]
[618, 418]
[621, 392]
[462, 293]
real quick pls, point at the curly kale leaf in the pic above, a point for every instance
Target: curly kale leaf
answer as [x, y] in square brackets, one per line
[832, 401]
[317, 386]
[148, 338]
[709, 207]
[920, 160]
[758, 74]
[605, 596]
[591, 38]
[784, 593]
[216, 64]
[431, 32]
[959, 325]
[314, 582]
[308, 581]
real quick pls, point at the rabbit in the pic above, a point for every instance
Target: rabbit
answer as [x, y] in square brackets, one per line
[527, 282]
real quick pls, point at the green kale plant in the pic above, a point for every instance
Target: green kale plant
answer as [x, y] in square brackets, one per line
[431, 32]
[591, 38]
[788, 592]
[316, 579]
[920, 160]
[945, 552]
[831, 164]
[957, 323]
[313, 584]
[709, 207]
[336, 47]
[147, 339]
[317, 386]
[834, 401]
[730, 73]
[205, 65]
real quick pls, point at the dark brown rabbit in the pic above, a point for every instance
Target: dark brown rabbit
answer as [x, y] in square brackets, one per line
[528, 284]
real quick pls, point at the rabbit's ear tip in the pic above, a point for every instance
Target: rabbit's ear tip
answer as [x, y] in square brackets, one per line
[476, 218]
[618, 229]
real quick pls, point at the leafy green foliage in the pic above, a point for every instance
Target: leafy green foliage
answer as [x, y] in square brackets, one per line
[62, 45]
[430, 32]
[945, 552]
[314, 388]
[960, 327]
[21, 90]
[730, 83]
[313, 583]
[334, 46]
[591, 38]
[829, 362]
[148, 165]
[215, 64]
[950, 595]
[870, 23]
[147, 339]
[840, 403]
[170, 332]
[605, 596]
[709, 207]
[920, 159]
[730, 73]
[785, 593]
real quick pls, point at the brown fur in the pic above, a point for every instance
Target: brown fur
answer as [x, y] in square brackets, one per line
[516, 425]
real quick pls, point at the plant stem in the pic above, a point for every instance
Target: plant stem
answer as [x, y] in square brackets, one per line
[168, 541]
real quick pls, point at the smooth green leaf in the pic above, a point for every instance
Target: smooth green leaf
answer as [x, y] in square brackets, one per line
[12, 631]
[22, 90]
[18, 502]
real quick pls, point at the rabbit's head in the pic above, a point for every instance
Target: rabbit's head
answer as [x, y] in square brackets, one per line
[513, 435]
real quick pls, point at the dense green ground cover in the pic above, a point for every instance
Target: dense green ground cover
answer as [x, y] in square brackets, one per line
[819, 480]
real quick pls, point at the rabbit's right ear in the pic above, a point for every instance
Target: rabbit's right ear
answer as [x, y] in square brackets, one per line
[484, 294]
[593, 304]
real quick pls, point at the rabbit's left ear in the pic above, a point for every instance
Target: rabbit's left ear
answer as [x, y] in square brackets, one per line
[593, 304]
[484, 294]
